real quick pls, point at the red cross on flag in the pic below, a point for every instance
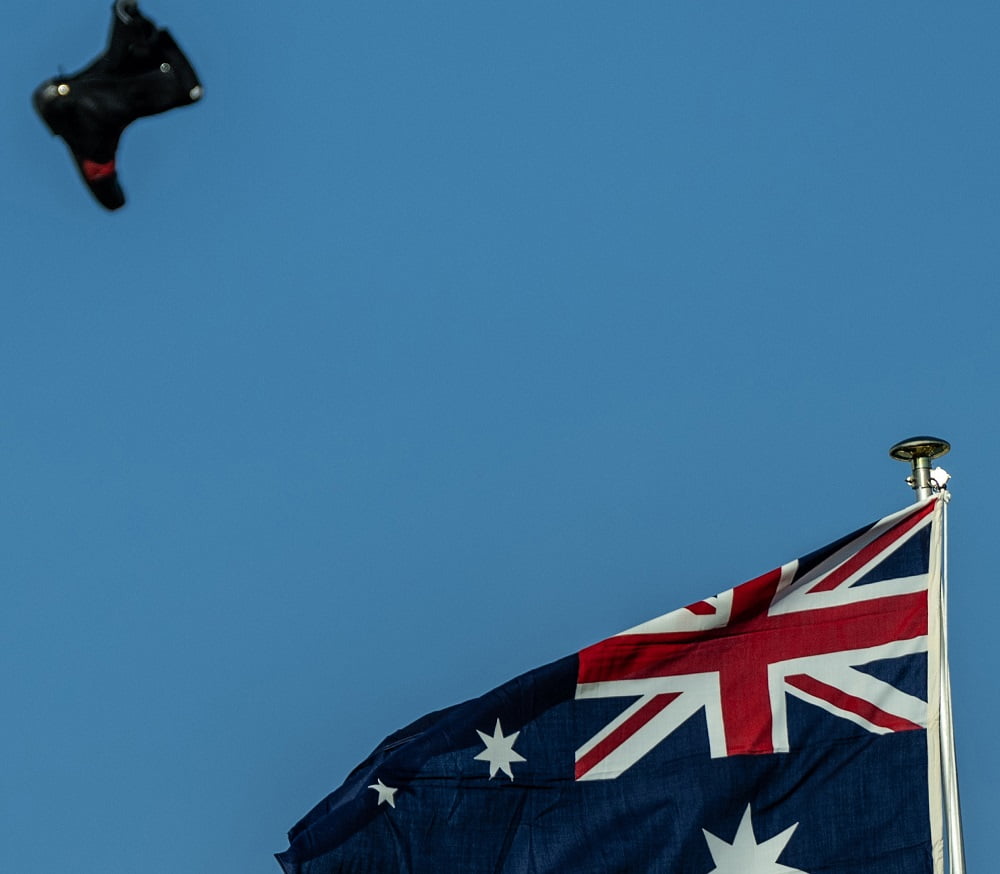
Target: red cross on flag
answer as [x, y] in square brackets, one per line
[801, 630]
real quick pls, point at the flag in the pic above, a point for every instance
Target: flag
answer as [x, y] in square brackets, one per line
[785, 726]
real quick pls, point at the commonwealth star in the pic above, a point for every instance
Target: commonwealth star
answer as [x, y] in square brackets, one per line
[745, 855]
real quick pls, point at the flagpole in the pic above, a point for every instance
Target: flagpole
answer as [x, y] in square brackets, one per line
[920, 452]
[949, 761]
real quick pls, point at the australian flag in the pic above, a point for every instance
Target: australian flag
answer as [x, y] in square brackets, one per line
[780, 727]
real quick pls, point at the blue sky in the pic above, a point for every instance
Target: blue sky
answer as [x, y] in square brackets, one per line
[444, 339]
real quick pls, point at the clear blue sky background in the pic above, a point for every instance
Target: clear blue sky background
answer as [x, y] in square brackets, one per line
[444, 339]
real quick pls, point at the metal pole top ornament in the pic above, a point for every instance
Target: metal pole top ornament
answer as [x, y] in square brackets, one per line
[920, 452]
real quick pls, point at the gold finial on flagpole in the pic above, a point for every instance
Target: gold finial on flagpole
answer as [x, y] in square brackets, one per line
[920, 452]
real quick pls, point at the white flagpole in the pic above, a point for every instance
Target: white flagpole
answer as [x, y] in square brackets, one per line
[920, 451]
[949, 763]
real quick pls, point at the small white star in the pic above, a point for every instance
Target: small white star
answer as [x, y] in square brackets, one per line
[385, 793]
[745, 855]
[499, 751]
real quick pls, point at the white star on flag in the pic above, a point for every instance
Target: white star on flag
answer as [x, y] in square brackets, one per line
[499, 751]
[385, 793]
[745, 856]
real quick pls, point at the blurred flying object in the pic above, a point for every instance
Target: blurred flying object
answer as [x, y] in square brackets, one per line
[141, 72]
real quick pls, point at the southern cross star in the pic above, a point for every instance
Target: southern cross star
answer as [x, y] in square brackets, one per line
[386, 794]
[499, 751]
[745, 855]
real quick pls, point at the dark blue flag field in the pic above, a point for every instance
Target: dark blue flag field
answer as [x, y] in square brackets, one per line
[786, 726]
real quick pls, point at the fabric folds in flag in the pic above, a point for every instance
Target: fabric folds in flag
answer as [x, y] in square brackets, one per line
[779, 726]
